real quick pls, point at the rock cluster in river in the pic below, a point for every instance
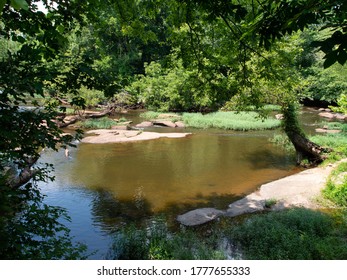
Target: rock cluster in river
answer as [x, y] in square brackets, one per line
[327, 113]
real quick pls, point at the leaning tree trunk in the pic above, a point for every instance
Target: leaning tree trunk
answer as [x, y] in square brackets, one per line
[305, 149]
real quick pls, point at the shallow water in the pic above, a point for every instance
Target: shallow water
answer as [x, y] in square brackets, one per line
[104, 186]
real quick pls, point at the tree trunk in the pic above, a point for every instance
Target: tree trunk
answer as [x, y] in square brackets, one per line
[305, 149]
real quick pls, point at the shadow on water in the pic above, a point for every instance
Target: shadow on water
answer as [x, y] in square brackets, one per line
[266, 158]
[112, 214]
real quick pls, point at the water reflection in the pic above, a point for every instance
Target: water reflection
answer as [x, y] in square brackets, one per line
[176, 170]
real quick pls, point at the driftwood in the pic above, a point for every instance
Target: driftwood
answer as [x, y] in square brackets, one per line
[86, 115]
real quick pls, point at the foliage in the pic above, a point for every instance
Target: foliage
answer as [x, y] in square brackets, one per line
[336, 186]
[327, 85]
[295, 234]
[273, 20]
[91, 97]
[30, 229]
[341, 104]
[102, 123]
[337, 142]
[177, 88]
[156, 242]
[283, 141]
[230, 120]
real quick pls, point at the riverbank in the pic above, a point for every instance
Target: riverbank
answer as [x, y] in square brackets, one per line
[298, 190]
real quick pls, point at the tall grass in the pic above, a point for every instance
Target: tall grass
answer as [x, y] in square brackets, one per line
[242, 121]
[151, 115]
[291, 234]
[337, 142]
[336, 190]
[156, 242]
[296, 234]
[102, 123]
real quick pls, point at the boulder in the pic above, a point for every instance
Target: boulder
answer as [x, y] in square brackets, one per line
[327, 115]
[121, 127]
[324, 130]
[199, 216]
[244, 206]
[279, 116]
[180, 124]
[144, 124]
[340, 117]
[164, 123]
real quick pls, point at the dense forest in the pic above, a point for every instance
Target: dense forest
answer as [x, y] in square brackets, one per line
[165, 56]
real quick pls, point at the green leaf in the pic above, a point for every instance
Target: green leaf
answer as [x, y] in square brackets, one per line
[2, 4]
[342, 57]
[20, 4]
[330, 59]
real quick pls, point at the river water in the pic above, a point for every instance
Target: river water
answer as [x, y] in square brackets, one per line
[105, 186]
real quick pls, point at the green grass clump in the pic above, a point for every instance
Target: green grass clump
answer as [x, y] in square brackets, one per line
[335, 125]
[295, 234]
[336, 187]
[242, 121]
[156, 242]
[149, 115]
[337, 142]
[102, 123]
[282, 140]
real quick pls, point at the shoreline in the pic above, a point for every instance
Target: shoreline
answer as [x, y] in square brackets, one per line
[298, 190]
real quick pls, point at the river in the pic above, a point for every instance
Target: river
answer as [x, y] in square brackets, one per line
[105, 186]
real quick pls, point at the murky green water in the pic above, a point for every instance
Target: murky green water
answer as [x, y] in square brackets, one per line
[104, 186]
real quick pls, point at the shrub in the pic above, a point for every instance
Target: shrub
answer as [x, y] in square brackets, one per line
[91, 97]
[336, 189]
[156, 242]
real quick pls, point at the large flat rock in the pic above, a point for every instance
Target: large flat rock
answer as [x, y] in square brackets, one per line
[101, 136]
[199, 216]
[246, 205]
